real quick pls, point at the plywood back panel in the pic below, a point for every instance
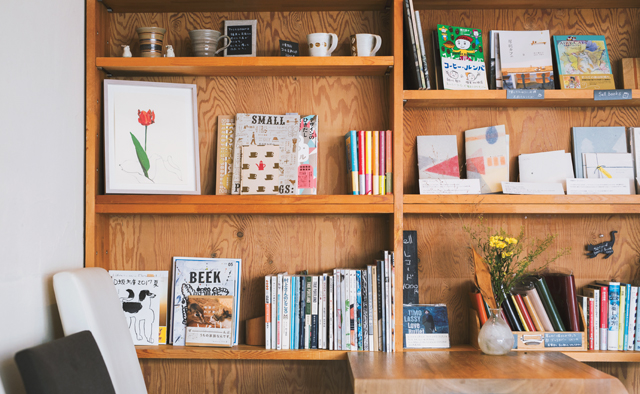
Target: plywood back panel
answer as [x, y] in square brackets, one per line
[272, 27]
[446, 274]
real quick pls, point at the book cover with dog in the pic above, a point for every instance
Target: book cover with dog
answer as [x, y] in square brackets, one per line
[210, 321]
[140, 297]
[202, 277]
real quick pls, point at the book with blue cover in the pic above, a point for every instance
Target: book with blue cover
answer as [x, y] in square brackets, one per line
[614, 315]
[425, 327]
[351, 148]
[359, 308]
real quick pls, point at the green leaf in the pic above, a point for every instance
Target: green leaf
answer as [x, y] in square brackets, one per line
[142, 155]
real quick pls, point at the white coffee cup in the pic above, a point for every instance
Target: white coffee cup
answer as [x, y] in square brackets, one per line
[362, 44]
[319, 43]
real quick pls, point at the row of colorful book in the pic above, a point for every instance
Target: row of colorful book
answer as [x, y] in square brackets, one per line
[267, 154]
[369, 162]
[353, 309]
[611, 312]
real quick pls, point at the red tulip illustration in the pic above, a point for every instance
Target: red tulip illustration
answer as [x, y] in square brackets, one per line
[146, 119]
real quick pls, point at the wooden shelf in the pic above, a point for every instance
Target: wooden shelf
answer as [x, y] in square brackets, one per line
[168, 204]
[240, 352]
[246, 66]
[499, 203]
[603, 356]
[520, 4]
[498, 98]
[243, 5]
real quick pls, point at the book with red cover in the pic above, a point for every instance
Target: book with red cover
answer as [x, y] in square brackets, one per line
[478, 304]
[562, 288]
[525, 313]
[592, 324]
[361, 162]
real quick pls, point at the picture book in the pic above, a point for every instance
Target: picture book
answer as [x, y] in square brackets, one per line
[462, 58]
[438, 157]
[194, 276]
[224, 159]
[210, 321]
[596, 139]
[487, 157]
[280, 130]
[161, 287]
[308, 155]
[583, 62]
[425, 327]
[525, 59]
[140, 297]
[260, 169]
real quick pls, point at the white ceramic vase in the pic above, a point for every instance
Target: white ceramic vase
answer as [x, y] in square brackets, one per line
[495, 337]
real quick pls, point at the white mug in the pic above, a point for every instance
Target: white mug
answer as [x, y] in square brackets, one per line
[319, 43]
[362, 44]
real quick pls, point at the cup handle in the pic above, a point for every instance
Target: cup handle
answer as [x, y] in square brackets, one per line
[334, 44]
[226, 46]
[377, 46]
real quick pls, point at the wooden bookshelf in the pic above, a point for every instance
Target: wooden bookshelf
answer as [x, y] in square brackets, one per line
[498, 98]
[520, 4]
[246, 66]
[240, 352]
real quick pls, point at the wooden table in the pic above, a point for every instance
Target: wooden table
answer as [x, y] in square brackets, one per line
[474, 372]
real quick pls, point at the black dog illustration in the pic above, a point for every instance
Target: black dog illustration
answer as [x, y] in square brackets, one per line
[140, 315]
[605, 247]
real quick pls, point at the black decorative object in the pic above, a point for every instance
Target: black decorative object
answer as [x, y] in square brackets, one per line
[410, 292]
[605, 247]
[289, 48]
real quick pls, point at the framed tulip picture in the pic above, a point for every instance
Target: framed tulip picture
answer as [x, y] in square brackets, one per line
[151, 138]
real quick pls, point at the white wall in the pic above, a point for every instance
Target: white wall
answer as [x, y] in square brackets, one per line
[41, 168]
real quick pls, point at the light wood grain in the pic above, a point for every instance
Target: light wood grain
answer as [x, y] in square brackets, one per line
[520, 4]
[240, 352]
[244, 5]
[631, 73]
[628, 373]
[474, 372]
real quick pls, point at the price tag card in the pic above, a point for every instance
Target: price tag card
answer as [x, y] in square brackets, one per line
[289, 48]
[613, 94]
[449, 186]
[525, 94]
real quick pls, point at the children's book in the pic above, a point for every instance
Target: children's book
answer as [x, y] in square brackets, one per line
[438, 157]
[583, 62]
[525, 59]
[425, 326]
[487, 153]
[140, 297]
[462, 58]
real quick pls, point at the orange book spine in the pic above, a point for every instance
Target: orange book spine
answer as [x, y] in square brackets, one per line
[532, 312]
[478, 304]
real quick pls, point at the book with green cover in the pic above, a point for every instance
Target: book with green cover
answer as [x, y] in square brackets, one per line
[549, 305]
[462, 56]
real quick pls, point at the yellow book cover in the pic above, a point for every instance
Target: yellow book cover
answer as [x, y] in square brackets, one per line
[524, 323]
[367, 169]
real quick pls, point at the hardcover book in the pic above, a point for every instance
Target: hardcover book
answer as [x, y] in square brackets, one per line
[583, 62]
[260, 169]
[140, 297]
[210, 321]
[487, 153]
[224, 159]
[596, 139]
[280, 130]
[202, 276]
[308, 155]
[438, 157]
[425, 327]
[525, 59]
[462, 58]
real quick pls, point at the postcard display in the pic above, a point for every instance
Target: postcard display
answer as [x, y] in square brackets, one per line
[462, 56]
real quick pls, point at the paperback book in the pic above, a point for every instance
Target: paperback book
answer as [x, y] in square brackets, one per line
[425, 327]
[462, 58]
[140, 297]
[525, 59]
[583, 62]
[210, 321]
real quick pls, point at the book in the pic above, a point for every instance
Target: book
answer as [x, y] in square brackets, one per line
[425, 327]
[346, 323]
[286, 311]
[416, 44]
[274, 312]
[495, 72]
[438, 157]
[477, 304]
[583, 306]
[263, 129]
[140, 298]
[368, 157]
[308, 156]
[260, 172]
[267, 312]
[210, 321]
[594, 292]
[423, 53]
[632, 319]
[161, 287]
[462, 58]
[382, 306]
[614, 315]
[337, 300]
[383, 163]
[370, 303]
[359, 327]
[511, 313]
[353, 310]
[583, 62]
[519, 313]
[562, 289]
[596, 139]
[411, 288]
[364, 290]
[387, 300]
[303, 331]
[362, 163]
[610, 165]
[279, 296]
[634, 149]
[295, 306]
[224, 158]
[525, 59]
[389, 162]
[487, 157]
[546, 167]
[194, 276]
[308, 324]
[375, 286]
[393, 301]
[351, 149]
[412, 72]
[524, 312]
[375, 162]
[537, 324]
[534, 297]
[331, 311]
[622, 327]
[323, 310]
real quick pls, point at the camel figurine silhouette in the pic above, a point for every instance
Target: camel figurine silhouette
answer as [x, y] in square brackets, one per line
[605, 247]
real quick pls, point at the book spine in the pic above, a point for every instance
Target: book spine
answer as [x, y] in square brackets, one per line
[320, 316]
[549, 305]
[591, 323]
[387, 290]
[279, 316]
[337, 327]
[352, 310]
[614, 314]
[389, 162]
[511, 313]
[365, 310]
[532, 312]
[351, 149]
[383, 163]
[368, 158]
[381, 307]
[519, 312]
[359, 309]
[286, 309]
[314, 312]
[307, 314]
[302, 318]
[633, 309]
[362, 184]
[346, 308]
[294, 313]
[523, 311]
[540, 311]
[267, 312]
[331, 313]
[375, 305]
[423, 52]
[415, 65]
[414, 29]
[274, 312]
[393, 302]
[323, 309]
[375, 162]
[637, 336]
[477, 304]
[595, 294]
[604, 317]
[622, 317]
[370, 307]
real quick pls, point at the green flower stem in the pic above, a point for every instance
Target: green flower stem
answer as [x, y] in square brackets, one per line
[145, 138]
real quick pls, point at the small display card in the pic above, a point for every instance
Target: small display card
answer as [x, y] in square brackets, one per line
[532, 188]
[613, 94]
[289, 48]
[598, 186]
[525, 94]
[449, 186]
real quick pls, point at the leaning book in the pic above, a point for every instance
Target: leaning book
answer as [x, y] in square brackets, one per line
[425, 327]
[462, 57]
[210, 321]
[202, 277]
[583, 62]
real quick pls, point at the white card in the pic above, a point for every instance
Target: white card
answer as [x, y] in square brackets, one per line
[532, 188]
[598, 186]
[449, 186]
[609, 165]
[546, 167]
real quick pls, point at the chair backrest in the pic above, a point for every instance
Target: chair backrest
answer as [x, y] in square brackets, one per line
[88, 300]
[70, 365]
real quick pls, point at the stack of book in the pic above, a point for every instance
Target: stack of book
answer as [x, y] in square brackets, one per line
[352, 309]
[415, 55]
[369, 162]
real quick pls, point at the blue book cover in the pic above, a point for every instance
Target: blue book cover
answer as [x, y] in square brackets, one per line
[425, 326]
[614, 314]
[351, 148]
[596, 139]
[627, 311]
[294, 312]
[303, 295]
[359, 308]
[637, 341]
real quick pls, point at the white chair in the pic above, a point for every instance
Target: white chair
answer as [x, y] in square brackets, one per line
[88, 300]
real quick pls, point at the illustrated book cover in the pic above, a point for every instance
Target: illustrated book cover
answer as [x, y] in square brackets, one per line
[583, 62]
[487, 153]
[202, 277]
[425, 327]
[596, 139]
[260, 169]
[280, 130]
[210, 321]
[525, 59]
[308, 156]
[462, 58]
[438, 157]
[224, 159]
[140, 297]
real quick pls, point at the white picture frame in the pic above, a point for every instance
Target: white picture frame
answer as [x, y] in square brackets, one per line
[252, 24]
[156, 121]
